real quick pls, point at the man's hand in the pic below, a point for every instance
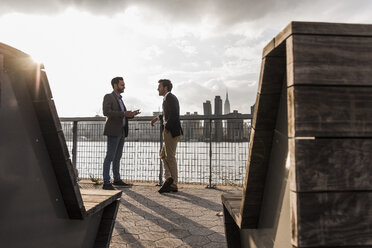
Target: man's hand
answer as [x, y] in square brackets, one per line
[154, 120]
[132, 113]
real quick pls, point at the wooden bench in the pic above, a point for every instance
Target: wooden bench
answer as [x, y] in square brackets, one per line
[308, 176]
[44, 206]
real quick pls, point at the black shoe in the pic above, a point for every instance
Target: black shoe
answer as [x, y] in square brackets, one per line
[166, 186]
[121, 183]
[108, 186]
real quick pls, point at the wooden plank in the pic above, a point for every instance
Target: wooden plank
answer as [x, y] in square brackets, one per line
[1, 62]
[328, 28]
[331, 60]
[259, 153]
[289, 61]
[330, 111]
[96, 202]
[116, 193]
[93, 198]
[45, 84]
[283, 35]
[322, 28]
[56, 146]
[232, 231]
[331, 164]
[272, 75]
[11, 51]
[333, 219]
[268, 48]
[106, 225]
[66, 180]
[47, 115]
[265, 111]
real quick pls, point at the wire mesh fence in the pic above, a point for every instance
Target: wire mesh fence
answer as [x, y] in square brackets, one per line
[213, 150]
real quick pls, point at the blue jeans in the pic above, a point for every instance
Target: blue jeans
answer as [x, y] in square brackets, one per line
[115, 146]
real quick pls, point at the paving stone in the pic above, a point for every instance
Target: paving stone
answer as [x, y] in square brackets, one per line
[153, 236]
[117, 245]
[215, 245]
[169, 242]
[180, 233]
[217, 237]
[137, 229]
[142, 244]
[201, 231]
[126, 238]
[183, 220]
[197, 240]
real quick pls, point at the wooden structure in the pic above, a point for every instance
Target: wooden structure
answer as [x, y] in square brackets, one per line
[308, 178]
[41, 203]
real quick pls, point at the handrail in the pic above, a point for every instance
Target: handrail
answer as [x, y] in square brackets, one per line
[231, 116]
[208, 119]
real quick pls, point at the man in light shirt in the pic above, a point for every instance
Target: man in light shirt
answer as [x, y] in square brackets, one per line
[116, 129]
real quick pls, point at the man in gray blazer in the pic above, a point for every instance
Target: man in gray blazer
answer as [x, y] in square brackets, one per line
[116, 129]
[171, 135]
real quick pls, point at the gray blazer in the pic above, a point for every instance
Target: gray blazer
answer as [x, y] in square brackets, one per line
[114, 121]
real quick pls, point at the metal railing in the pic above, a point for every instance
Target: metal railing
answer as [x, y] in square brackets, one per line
[213, 149]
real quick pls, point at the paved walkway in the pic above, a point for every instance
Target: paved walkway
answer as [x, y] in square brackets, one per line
[191, 217]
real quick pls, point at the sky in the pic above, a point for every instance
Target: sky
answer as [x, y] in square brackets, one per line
[205, 47]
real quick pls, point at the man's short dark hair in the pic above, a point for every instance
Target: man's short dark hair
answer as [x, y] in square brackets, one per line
[116, 80]
[166, 83]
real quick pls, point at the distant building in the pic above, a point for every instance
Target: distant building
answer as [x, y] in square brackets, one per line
[207, 108]
[235, 128]
[217, 105]
[191, 129]
[227, 105]
[218, 131]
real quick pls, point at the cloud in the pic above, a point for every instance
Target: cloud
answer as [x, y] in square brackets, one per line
[203, 46]
[227, 12]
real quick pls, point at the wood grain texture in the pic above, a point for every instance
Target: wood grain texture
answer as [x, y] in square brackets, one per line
[232, 204]
[330, 111]
[333, 219]
[322, 28]
[272, 75]
[106, 225]
[268, 48]
[258, 158]
[331, 60]
[328, 28]
[331, 164]
[265, 111]
[96, 200]
[232, 231]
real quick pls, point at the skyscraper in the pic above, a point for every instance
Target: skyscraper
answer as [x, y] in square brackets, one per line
[217, 105]
[207, 108]
[226, 109]
[218, 132]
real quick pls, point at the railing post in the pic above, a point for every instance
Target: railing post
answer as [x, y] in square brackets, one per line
[160, 164]
[74, 143]
[210, 186]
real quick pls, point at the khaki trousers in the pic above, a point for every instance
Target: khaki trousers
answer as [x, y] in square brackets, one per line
[168, 156]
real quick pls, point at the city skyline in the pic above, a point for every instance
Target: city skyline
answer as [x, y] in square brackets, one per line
[204, 47]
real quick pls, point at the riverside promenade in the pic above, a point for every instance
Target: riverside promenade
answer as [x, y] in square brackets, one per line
[191, 217]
